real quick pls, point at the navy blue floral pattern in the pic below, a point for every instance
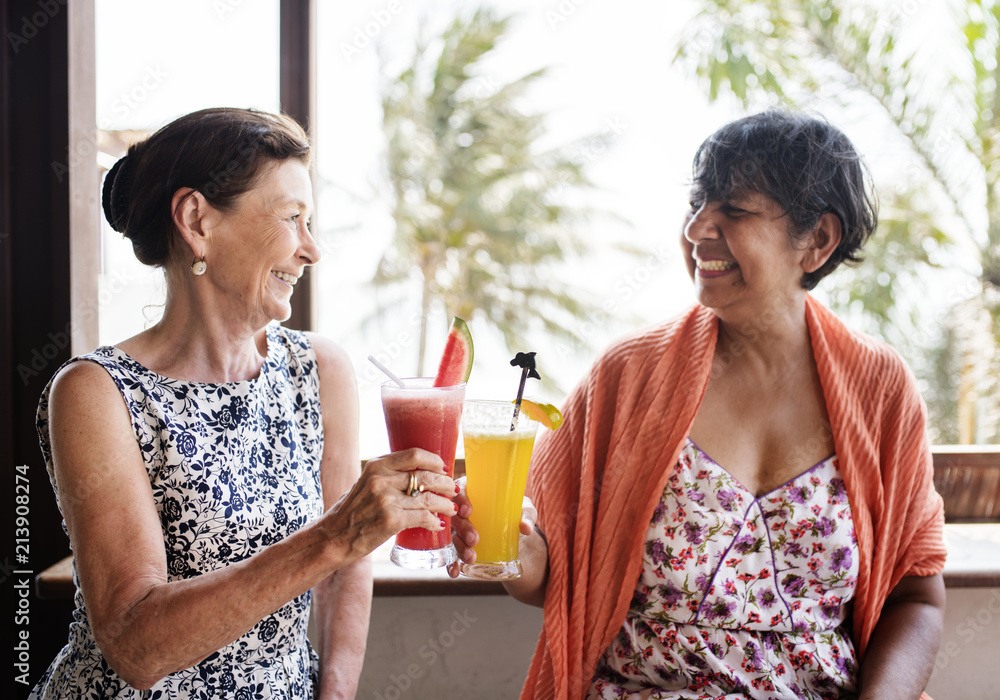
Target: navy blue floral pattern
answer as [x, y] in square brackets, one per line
[234, 468]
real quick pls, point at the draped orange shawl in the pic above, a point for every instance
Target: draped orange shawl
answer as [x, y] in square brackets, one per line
[597, 480]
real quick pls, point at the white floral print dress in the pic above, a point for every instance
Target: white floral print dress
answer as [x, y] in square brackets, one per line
[740, 596]
[234, 468]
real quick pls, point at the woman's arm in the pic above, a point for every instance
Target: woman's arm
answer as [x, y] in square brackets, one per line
[900, 655]
[146, 627]
[532, 552]
[342, 607]
[343, 599]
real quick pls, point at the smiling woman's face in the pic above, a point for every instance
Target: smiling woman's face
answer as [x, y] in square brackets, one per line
[260, 249]
[739, 254]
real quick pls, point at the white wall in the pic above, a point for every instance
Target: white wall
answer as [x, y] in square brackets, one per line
[968, 663]
[448, 647]
[480, 647]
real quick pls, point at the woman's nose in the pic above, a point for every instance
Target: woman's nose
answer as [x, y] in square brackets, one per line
[700, 225]
[309, 250]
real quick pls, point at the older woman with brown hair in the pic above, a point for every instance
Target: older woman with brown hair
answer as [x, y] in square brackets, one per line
[207, 468]
[740, 500]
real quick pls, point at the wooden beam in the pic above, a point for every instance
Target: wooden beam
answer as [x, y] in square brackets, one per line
[297, 77]
[84, 178]
[968, 479]
[35, 294]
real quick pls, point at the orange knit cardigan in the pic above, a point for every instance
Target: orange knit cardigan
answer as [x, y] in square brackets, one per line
[597, 480]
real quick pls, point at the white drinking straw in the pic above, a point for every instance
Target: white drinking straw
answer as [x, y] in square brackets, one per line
[388, 373]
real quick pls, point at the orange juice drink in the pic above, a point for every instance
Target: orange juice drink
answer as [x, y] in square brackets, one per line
[496, 480]
[496, 470]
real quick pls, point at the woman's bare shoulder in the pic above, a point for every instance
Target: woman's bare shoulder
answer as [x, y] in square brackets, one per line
[333, 360]
[83, 378]
[84, 398]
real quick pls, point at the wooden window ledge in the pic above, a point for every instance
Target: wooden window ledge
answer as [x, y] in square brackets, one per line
[967, 477]
[973, 562]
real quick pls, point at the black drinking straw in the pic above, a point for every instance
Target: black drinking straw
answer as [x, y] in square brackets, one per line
[526, 361]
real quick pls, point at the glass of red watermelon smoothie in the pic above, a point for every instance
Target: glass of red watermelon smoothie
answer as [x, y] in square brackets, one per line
[422, 415]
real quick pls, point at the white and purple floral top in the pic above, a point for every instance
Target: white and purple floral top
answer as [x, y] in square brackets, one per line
[740, 596]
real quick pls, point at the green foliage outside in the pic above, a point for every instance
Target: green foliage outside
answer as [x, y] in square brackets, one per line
[484, 217]
[942, 104]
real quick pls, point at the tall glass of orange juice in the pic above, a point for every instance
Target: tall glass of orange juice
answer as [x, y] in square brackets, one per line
[496, 471]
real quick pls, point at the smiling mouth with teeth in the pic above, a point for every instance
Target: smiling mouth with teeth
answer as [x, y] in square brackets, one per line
[284, 277]
[715, 265]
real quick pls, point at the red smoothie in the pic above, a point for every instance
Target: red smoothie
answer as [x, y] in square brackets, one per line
[426, 417]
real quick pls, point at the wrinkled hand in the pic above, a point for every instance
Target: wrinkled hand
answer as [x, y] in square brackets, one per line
[464, 535]
[378, 506]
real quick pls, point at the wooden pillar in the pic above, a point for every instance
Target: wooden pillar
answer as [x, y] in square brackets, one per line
[36, 301]
[297, 74]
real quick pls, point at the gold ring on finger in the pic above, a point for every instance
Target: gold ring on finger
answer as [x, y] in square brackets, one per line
[413, 489]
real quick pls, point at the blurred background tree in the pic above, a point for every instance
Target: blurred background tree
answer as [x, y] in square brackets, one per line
[943, 206]
[483, 213]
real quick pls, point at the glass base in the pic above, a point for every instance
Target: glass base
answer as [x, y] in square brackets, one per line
[422, 558]
[492, 571]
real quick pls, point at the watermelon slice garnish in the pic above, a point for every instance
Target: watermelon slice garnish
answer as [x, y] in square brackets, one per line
[456, 361]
